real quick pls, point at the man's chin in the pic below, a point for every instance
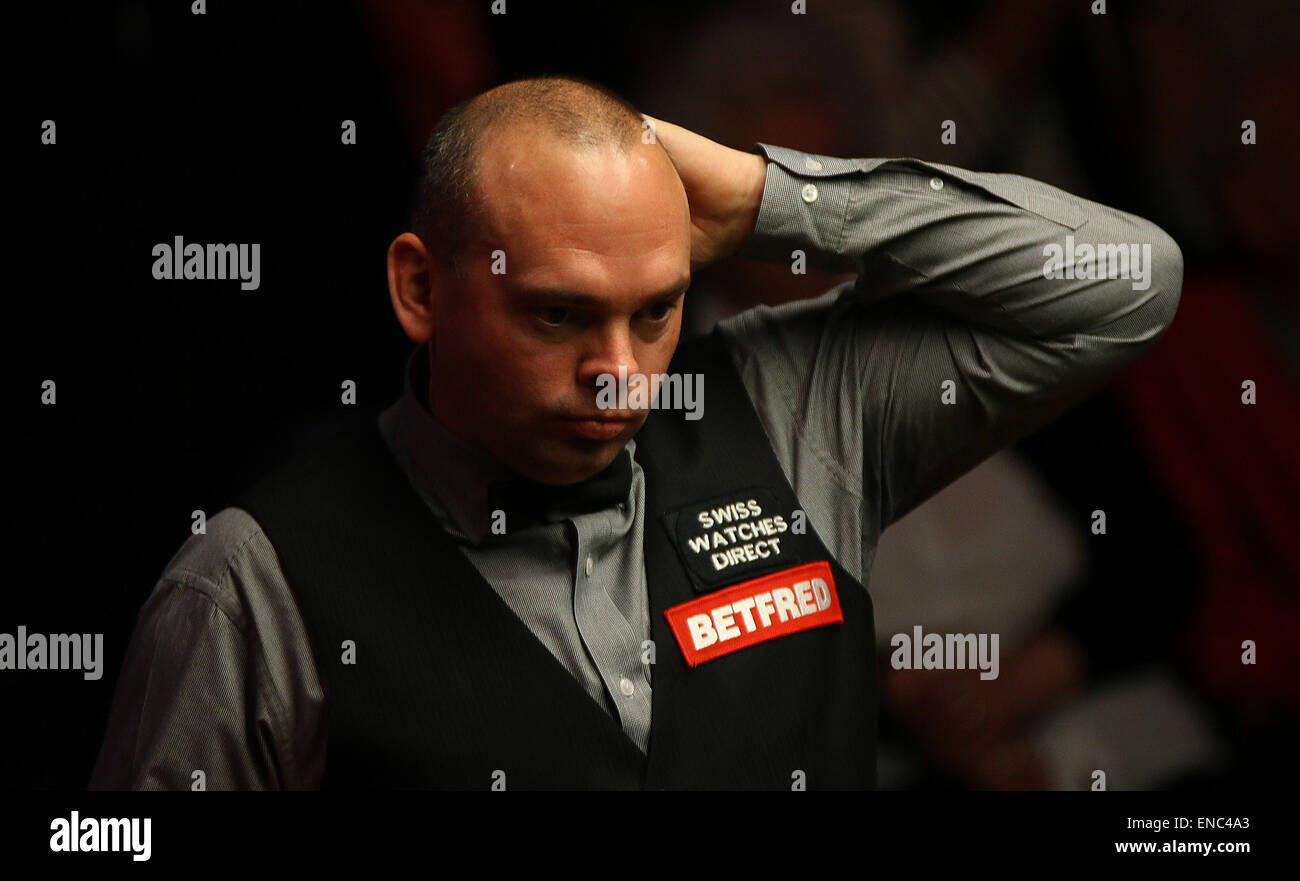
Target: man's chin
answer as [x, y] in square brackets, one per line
[596, 464]
[565, 452]
[579, 460]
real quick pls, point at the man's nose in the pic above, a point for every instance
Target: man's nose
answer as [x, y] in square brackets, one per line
[608, 350]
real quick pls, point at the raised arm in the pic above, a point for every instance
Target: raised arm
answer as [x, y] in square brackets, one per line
[984, 305]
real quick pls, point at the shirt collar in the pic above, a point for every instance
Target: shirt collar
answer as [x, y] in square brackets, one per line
[450, 474]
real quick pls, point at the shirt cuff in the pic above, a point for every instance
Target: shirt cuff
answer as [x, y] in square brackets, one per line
[805, 204]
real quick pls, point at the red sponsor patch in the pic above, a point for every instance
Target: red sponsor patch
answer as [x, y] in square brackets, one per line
[755, 611]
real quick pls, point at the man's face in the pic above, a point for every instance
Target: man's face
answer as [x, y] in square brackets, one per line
[593, 258]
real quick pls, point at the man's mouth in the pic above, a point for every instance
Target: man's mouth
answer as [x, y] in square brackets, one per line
[604, 426]
[605, 416]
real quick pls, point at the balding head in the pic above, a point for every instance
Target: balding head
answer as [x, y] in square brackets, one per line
[448, 207]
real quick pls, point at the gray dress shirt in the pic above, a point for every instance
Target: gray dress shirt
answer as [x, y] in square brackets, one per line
[951, 343]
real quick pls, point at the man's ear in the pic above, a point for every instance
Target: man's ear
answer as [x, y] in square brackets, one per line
[414, 279]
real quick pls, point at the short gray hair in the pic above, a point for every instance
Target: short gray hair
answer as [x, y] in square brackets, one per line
[447, 210]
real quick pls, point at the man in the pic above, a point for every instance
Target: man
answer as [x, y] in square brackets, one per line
[505, 582]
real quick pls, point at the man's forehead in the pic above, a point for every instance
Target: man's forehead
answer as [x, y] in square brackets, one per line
[528, 164]
[549, 204]
[517, 155]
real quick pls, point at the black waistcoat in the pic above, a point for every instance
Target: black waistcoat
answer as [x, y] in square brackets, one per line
[449, 687]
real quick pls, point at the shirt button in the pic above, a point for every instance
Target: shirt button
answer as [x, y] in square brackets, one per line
[809, 193]
[936, 183]
[812, 164]
[625, 686]
[590, 565]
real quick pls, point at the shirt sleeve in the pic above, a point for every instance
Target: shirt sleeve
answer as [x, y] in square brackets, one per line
[198, 689]
[964, 329]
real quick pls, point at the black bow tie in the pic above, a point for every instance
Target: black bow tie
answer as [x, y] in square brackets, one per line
[528, 503]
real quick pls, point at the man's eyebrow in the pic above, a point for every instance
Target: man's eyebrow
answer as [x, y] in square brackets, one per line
[562, 297]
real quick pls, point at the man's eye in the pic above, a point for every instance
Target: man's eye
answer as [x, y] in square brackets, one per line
[554, 314]
[659, 311]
